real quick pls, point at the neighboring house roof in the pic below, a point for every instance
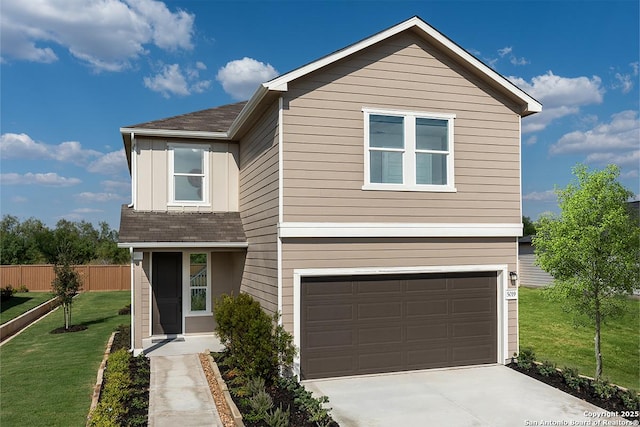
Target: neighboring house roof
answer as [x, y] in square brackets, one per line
[221, 125]
[140, 229]
[525, 239]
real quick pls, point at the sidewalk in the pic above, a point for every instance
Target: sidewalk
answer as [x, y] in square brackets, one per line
[179, 394]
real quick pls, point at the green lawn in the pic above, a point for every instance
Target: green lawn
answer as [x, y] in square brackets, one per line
[20, 303]
[550, 332]
[47, 379]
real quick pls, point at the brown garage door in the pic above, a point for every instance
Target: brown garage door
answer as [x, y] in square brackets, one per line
[370, 324]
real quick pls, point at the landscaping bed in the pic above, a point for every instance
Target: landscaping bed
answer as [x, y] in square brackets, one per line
[622, 402]
[287, 394]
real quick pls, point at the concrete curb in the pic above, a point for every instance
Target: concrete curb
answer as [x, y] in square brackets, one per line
[14, 326]
[97, 389]
[235, 413]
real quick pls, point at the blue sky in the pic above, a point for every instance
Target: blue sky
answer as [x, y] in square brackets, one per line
[74, 72]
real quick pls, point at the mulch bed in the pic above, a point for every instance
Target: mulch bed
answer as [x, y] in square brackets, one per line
[281, 397]
[584, 392]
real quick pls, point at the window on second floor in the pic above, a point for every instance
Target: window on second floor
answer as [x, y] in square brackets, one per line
[188, 174]
[408, 151]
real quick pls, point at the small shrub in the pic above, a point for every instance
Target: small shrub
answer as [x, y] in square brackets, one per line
[315, 407]
[112, 408]
[630, 400]
[277, 418]
[259, 405]
[255, 385]
[23, 289]
[603, 388]
[257, 345]
[526, 358]
[547, 368]
[572, 378]
[125, 310]
[6, 293]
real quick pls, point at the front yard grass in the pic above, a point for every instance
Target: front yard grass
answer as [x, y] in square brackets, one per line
[47, 379]
[20, 303]
[550, 332]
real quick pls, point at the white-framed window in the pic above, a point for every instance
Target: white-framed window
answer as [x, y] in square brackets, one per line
[198, 288]
[408, 151]
[188, 174]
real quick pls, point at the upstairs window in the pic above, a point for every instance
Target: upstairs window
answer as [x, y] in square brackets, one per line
[408, 151]
[188, 174]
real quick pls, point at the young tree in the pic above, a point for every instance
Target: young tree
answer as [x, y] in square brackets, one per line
[67, 282]
[591, 249]
[529, 228]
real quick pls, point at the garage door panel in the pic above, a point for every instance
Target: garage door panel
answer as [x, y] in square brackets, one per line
[471, 305]
[426, 333]
[333, 313]
[330, 339]
[370, 324]
[380, 335]
[380, 311]
[432, 307]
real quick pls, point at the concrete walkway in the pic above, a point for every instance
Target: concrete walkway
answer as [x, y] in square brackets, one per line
[179, 394]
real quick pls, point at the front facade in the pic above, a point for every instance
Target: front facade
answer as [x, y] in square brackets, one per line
[372, 197]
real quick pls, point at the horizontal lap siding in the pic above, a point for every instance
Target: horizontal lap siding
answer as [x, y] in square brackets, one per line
[323, 149]
[259, 208]
[395, 252]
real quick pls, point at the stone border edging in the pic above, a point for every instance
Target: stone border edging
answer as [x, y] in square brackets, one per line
[97, 389]
[12, 327]
[235, 413]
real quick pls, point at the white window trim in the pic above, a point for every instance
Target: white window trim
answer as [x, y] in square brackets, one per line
[186, 285]
[409, 152]
[205, 180]
[502, 270]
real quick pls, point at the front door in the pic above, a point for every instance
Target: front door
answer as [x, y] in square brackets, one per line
[167, 292]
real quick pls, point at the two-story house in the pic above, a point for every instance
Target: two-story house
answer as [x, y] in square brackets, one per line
[372, 197]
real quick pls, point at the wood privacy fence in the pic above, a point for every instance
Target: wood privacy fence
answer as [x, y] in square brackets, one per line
[38, 278]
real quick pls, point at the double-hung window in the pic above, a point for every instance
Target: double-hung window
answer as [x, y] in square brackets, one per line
[409, 151]
[188, 174]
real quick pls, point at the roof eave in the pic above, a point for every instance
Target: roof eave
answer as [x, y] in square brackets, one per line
[177, 133]
[170, 245]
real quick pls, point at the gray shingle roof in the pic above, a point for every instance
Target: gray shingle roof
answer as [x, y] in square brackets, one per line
[171, 227]
[217, 119]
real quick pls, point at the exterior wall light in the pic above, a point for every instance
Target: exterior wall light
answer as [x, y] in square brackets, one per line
[513, 276]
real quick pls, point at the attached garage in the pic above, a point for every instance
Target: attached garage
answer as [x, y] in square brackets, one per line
[364, 324]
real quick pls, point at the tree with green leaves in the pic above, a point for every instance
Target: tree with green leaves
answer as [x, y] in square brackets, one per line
[529, 228]
[67, 282]
[591, 249]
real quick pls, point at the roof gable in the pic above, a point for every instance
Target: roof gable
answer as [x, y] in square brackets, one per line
[434, 37]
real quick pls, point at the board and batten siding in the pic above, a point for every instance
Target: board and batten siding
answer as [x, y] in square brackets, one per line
[152, 183]
[323, 150]
[259, 208]
[395, 252]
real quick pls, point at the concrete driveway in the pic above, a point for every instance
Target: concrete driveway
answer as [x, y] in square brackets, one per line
[489, 395]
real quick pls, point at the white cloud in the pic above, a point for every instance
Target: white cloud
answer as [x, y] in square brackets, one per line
[630, 174]
[560, 96]
[172, 81]
[518, 61]
[621, 159]
[541, 196]
[109, 163]
[22, 146]
[240, 78]
[634, 66]
[106, 34]
[620, 134]
[86, 210]
[98, 197]
[531, 140]
[49, 179]
[112, 186]
[505, 51]
[19, 199]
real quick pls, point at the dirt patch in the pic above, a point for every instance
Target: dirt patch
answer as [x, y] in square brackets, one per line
[72, 328]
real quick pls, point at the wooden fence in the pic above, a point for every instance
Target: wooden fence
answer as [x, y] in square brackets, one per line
[38, 278]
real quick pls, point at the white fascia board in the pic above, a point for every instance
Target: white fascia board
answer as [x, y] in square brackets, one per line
[174, 133]
[280, 83]
[333, 229]
[246, 111]
[170, 245]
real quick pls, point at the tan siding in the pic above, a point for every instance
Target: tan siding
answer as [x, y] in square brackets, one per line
[258, 198]
[397, 252]
[152, 165]
[324, 143]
